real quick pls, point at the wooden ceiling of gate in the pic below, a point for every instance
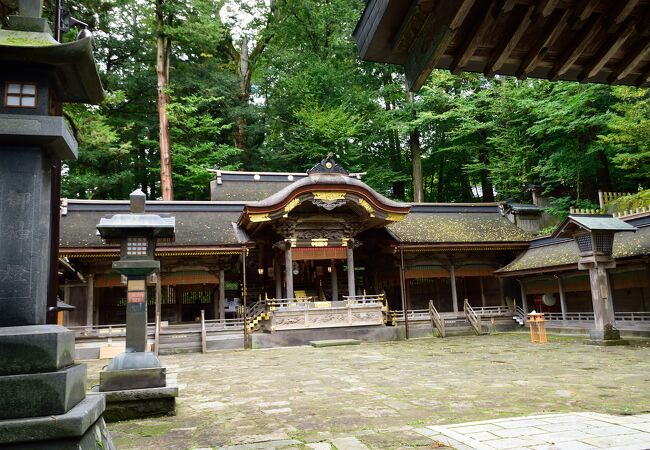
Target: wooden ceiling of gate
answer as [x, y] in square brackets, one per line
[602, 41]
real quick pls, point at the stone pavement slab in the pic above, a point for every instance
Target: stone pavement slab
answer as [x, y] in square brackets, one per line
[542, 432]
[379, 393]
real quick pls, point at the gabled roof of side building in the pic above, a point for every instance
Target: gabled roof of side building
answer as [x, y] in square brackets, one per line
[553, 254]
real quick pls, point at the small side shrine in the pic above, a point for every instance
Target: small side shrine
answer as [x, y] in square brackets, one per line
[134, 382]
[594, 236]
[42, 389]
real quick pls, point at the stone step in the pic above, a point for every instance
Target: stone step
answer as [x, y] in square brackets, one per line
[334, 342]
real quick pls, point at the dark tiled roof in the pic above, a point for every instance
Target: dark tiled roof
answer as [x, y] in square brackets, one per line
[462, 227]
[562, 252]
[246, 190]
[197, 224]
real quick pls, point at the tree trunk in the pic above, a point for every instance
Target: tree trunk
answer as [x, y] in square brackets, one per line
[416, 159]
[604, 178]
[416, 164]
[486, 184]
[244, 95]
[162, 71]
[441, 180]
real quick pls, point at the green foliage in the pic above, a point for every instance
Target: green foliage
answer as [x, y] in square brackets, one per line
[629, 202]
[311, 95]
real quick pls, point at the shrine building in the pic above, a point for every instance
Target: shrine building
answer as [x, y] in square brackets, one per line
[324, 254]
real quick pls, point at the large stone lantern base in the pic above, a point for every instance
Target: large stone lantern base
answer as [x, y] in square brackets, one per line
[43, 393]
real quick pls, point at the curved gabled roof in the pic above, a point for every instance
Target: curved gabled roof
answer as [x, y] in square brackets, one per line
[328, 188]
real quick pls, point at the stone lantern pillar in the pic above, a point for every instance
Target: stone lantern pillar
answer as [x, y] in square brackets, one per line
[594, 236]
[43, 401]
[136, 369]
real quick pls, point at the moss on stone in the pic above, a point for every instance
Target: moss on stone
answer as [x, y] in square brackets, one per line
[25, 39]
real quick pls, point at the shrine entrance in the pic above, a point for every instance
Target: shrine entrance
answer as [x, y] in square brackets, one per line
[307, 236]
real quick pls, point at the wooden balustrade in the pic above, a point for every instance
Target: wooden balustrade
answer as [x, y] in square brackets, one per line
[436, 321]
[473, 318]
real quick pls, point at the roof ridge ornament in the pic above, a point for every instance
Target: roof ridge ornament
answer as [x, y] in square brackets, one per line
[329, 166]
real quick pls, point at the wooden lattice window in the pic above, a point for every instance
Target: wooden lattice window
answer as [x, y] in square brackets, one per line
[20, 94]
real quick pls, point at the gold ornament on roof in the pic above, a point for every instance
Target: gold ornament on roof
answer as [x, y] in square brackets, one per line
[329, 196]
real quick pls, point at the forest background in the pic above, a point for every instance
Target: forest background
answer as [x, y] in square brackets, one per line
[275, 85]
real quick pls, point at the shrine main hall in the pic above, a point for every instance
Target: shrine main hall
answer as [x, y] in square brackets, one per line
[324, 254]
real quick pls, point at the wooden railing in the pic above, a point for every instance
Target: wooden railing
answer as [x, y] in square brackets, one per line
[215, 325]
[413, 314]
[436, 321]
[473, 318]
[520, 314]
[625, 317]
[493, 311]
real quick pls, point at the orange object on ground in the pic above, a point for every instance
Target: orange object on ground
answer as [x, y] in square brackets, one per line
[537, 328]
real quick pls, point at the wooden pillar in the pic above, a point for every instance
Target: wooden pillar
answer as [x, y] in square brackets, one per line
[278, 278]
[483, 300]
[402, 282]
[90, 300]
[288, 263]
[66, 299]
[245, 300]
[560, 287]
[335, 282]
[601, 295]
[646, 296]
[501, 296]
[222, 294]
[178, 296]
[157, 313]
[350, 254]
[454, 293]
[524, 300]
[215, 302]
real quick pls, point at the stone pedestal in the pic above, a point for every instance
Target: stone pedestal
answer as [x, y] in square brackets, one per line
[42, 393]
[135, 385]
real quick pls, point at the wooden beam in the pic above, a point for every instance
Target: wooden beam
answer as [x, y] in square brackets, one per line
[507, 45]
[626, 8]
[644, 79]
[631, 60]
[434, 39]
[585, 10]
[412, 24]
[546, 7]
[508, 5]
[554, 27]
[475, 34]
[591, 28]
[608, 49]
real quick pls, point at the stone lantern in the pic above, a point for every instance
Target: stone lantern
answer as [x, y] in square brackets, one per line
[594, 236]
[43, 402]
[136, 369]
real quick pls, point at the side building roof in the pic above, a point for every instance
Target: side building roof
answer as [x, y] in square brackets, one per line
[548, 254]
[200, 226]
[465, 225]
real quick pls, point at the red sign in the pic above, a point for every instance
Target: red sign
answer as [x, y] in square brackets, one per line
[135, 297]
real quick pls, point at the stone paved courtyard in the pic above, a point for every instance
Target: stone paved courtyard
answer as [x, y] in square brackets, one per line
[383, 395]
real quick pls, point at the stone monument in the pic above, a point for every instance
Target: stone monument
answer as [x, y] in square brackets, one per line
[43, 403]
[594, 235]
[134, 382]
